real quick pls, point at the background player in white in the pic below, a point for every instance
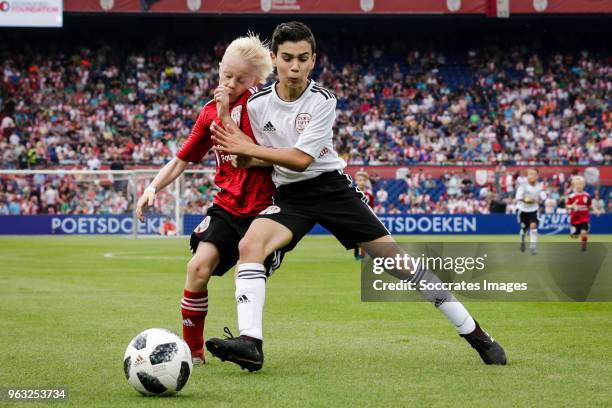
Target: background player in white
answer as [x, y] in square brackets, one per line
[529, 195]
[295, 117]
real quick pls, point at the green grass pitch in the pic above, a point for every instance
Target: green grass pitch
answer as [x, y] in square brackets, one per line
[68, 311]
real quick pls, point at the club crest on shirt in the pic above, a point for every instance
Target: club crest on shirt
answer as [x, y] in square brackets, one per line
[203, 225]
[236, 113]
[301, 121]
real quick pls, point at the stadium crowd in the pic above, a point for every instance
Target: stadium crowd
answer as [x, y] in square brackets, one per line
[417, 193]
[86, 194]
[460, 193]
[508, 107]
[112, 106]
[90, 107]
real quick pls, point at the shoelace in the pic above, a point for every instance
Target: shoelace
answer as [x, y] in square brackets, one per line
[228, 333]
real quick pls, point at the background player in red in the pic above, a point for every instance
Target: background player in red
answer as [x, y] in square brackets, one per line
[243, 192]
[362, 181]
[168, 227]
[579, 204]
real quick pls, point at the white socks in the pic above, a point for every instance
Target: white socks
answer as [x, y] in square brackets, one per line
[250, 299]
[458, 315]
[446, 302]
[533, 238]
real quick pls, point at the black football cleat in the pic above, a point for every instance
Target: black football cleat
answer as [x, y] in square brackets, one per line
[522, 244]
[490, 351]
[245, 351]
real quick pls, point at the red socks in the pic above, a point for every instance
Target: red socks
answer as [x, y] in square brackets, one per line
[194, 307]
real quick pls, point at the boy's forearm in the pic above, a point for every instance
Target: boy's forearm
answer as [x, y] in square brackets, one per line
[260, 163]
[168, 173]
[290, 158]
[224, 115]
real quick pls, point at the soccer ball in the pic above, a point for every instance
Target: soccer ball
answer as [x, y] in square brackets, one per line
[157, 362]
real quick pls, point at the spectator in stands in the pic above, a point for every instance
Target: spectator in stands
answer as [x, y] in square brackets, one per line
[550, 205]
[382, 196]
[7, 124]
[4, 209]
[379, 208]
[496, 204]
[94, 163]
[50, 199]
[14, 205]
[466, 183]
[598, 205]
[452, 185]
[393, 210]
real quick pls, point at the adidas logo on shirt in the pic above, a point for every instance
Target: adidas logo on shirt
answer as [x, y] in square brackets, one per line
[269, 127]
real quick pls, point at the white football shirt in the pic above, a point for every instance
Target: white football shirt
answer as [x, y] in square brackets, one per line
[305, 124]
[534, 194]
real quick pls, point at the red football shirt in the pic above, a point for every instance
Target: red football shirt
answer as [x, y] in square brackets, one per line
[369, 198]
[243, 192]
[583, 203]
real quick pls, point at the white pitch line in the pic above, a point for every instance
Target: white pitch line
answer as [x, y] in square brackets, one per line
[127, 255]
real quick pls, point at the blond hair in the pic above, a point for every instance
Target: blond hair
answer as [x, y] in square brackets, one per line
[578, 179]
[362, 173]
[255, 52]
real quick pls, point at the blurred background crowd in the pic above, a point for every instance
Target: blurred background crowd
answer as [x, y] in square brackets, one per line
[115, 105]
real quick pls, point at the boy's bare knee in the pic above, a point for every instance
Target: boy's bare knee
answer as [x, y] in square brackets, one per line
[251, 247]
[197, 269]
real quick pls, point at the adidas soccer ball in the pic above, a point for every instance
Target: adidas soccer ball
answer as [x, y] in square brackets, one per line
[157, 362]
